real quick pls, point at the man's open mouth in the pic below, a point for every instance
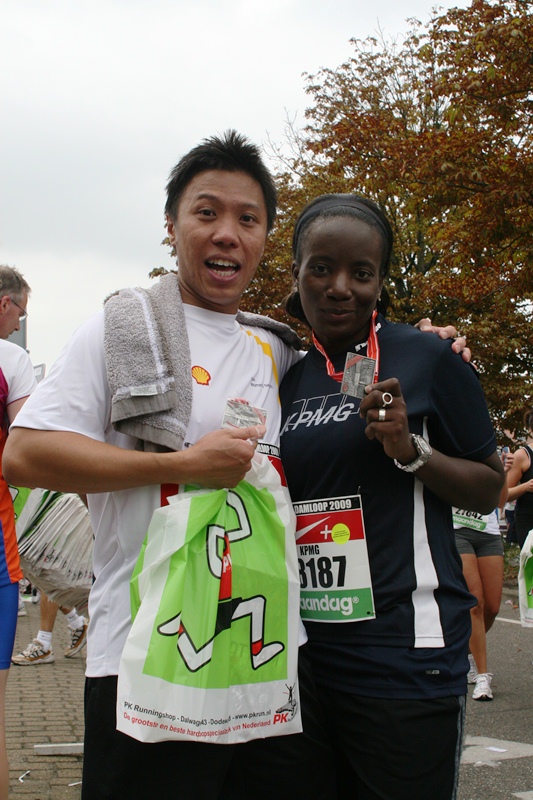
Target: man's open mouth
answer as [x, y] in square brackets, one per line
[222, 267]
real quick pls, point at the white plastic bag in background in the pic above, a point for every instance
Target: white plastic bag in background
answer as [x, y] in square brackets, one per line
[525, 582]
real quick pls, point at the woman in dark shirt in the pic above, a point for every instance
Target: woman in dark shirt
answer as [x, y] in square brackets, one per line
[387, 618]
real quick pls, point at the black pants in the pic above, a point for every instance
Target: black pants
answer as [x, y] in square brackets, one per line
[395, 749]
[118, 767]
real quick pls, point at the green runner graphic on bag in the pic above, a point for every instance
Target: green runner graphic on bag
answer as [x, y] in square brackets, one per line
[212, 654]
[224, 603]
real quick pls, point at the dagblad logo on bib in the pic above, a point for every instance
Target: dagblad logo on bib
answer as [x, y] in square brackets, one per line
[327, 603]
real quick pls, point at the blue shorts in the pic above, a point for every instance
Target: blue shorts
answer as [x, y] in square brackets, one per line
[9, 605]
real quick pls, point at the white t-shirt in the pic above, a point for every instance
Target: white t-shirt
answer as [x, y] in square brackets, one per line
[235, 361]
[17, 376]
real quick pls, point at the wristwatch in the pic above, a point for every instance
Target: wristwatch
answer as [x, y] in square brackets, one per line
[423, 448]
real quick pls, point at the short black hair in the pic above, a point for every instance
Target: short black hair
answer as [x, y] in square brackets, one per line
[231, 152]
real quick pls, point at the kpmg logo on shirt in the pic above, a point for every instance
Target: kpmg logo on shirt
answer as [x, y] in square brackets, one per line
[320, 411]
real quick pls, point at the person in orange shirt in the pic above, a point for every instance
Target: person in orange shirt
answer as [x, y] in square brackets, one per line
[17, 380]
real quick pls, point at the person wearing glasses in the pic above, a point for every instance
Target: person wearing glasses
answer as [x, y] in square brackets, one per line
[14, 292]
[17, 380]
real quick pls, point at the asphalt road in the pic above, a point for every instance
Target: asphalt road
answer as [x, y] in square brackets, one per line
[44, 705]
[497, 761]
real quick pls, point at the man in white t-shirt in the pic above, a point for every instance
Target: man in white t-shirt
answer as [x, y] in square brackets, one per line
[221, 204]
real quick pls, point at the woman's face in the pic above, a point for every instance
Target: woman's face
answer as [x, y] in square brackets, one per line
[339, 279]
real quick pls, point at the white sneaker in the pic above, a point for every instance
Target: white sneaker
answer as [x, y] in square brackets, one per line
[482, 689]
[78, 639]
[34, 654]
[472, 672]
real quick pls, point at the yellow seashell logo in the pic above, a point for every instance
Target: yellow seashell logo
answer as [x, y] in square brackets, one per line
[201, 375]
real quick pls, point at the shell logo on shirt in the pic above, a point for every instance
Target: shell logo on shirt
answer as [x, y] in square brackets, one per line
[200, 375]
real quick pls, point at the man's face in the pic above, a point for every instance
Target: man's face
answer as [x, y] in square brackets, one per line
[219, 236]
[10, 314]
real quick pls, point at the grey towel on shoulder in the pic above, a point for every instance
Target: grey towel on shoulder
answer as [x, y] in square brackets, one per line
[148, 363]
[282, 331]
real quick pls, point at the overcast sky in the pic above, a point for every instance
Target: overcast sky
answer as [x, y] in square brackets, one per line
[100, 98]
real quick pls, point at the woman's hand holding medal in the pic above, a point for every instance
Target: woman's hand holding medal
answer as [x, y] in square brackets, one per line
[386, 415]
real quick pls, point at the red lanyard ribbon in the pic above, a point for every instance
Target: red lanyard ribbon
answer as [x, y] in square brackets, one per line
[372, 351]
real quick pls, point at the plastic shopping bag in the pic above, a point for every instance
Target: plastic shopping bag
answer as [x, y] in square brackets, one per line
[212, 652]
[525, 582]
[55, 542]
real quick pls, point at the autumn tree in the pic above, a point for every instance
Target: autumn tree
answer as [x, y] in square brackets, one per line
[436, 128]
[481, 175]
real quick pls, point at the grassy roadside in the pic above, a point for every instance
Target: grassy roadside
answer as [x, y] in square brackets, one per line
[511, 562]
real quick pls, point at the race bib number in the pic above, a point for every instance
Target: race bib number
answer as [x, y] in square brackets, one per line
[335, 582]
